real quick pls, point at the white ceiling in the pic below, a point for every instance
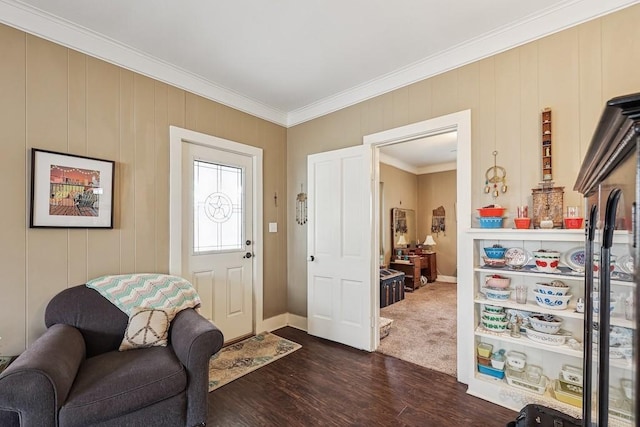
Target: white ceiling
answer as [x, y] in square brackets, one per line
[289, 61]
[435, 153]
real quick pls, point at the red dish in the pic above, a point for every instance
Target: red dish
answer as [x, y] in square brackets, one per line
[573, 223]
[491, 211]
[522, 222]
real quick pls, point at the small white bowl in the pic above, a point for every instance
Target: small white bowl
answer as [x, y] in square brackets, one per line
[552, 288]
[496, 294]
[554, 302]
[545, 323]
[496, 317]
[493, 309]
[494, 325]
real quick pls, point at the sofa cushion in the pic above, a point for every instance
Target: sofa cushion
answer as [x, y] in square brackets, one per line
[127, 380]
[148, 327]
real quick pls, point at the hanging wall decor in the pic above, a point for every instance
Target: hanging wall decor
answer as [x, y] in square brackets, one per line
[495, 175]
[301, 207]
[438, 221]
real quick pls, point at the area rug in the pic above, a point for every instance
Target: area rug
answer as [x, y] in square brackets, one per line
[424, 328]
[239, 359]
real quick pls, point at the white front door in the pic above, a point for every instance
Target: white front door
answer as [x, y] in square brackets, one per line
[217, 235]
[339, 247]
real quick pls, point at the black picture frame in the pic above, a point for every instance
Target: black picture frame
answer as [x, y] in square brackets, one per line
[71, 191]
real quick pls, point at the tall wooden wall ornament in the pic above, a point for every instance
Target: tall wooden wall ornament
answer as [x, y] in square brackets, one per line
[547, 199]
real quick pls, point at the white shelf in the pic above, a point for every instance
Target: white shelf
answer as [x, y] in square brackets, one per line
[569, 313]
[528, 273]
[523, 340]
[518, 396]
[552, 235]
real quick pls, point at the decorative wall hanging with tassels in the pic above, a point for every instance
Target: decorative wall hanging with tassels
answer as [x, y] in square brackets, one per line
[301, 207]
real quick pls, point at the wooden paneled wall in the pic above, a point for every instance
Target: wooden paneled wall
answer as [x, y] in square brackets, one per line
[57, 99]
[573, 72]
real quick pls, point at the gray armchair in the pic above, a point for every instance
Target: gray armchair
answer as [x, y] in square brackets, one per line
[74, 375]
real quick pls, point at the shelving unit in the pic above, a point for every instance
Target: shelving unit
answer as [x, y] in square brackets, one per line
[550, 357]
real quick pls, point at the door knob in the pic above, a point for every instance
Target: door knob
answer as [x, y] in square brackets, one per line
[312, 258]
[248, 255]
[248, 242]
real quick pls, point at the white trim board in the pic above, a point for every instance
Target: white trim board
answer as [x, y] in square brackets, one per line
[460, 122]
[32, 20]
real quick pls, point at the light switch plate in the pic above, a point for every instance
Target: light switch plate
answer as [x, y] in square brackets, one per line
[273, 227]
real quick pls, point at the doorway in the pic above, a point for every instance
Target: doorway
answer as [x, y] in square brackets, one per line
[461, 123]
[419, 240]
[215, 216]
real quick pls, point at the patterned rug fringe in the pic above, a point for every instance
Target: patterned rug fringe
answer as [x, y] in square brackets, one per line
[246, 356]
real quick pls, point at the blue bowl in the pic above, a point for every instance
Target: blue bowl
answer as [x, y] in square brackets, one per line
[495, 253]
[490, 222]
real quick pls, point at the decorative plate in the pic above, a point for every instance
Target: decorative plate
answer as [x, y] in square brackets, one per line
[516, 257]
[625, 263]
[575, 259]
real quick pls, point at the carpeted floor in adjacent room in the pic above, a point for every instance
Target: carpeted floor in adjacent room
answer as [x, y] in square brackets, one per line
[424, 327]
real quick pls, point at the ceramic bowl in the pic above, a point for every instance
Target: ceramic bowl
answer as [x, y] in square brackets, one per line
[491, 212]
[546, 260]
[548, 339]
[554, 288]
[498, 317]
[495, 253]
[494, 262]
[490, 222]
[522, 223]
[545, 323]
[493, 309]
[498, 361]
[596, 262]
[555, 302]
[498, 282]
[572, 223]
[496, 294]
[494, 325]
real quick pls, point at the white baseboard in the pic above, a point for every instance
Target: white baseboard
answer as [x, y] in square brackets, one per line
[448, 279]
[282, 320]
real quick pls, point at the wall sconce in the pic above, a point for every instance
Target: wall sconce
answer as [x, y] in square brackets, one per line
[429, 243]
[301, 207]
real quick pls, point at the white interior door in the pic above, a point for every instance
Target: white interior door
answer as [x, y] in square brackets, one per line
[217, 235]
[339, 244]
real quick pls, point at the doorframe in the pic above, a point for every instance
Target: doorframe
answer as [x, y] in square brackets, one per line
[179, 136]
[460, 122]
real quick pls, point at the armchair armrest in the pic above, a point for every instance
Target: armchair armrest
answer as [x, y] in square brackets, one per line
[37, 383]
[195, 340]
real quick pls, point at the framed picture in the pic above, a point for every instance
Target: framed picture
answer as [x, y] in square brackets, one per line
[71, 191]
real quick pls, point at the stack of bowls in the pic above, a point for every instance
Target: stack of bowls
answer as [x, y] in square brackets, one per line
[494, 320]
[494, 256]
[491, 217]
[552, 295]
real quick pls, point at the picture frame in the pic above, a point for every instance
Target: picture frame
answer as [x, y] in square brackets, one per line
[70, 191]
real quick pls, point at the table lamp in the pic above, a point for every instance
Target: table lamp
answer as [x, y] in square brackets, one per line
[401, 241]
[429, 243]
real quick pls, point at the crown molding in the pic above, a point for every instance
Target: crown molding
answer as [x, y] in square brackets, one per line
[46, 26]
[65, 33]
[516, 34]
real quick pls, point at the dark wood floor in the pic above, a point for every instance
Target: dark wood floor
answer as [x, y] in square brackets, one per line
[328, 384]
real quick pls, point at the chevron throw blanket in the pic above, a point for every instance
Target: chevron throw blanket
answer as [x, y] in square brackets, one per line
[159, 291]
